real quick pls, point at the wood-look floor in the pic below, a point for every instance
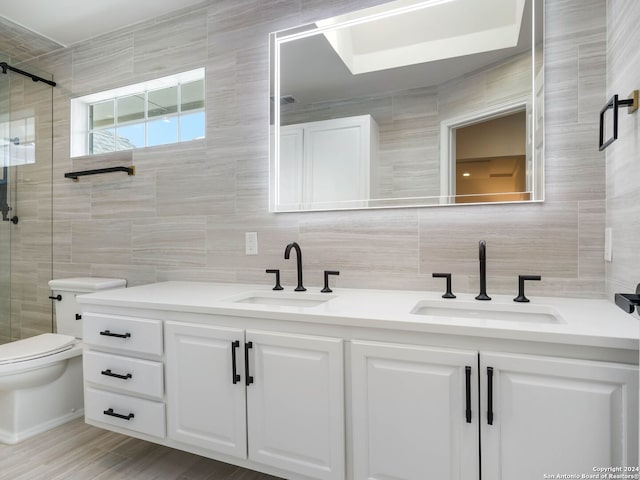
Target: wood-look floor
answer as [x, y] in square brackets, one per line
[77, 451]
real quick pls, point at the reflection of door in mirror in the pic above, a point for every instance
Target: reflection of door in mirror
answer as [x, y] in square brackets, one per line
[491, 160]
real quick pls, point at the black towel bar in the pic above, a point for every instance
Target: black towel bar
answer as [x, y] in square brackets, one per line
[615, 103]
[75, 175]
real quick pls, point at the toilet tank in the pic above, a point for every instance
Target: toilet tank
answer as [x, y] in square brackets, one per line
[68, 311]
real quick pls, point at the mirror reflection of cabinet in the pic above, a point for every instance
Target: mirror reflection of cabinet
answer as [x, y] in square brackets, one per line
[327, 164]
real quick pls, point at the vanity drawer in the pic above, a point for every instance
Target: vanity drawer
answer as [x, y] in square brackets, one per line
[137, 335]
[137, 414]
[143, 377]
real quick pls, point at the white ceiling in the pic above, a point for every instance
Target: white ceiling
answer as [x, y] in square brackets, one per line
[71, 21]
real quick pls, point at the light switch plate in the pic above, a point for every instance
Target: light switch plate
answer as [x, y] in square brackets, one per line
[251, 243]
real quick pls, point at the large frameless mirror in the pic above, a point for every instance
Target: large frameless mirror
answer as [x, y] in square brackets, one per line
[410, 103]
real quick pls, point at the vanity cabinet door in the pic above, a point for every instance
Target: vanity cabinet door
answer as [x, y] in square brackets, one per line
[295, 403]
[415, 412]
[554, 415]
[205, 407]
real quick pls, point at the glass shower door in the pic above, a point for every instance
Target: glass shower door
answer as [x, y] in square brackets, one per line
[26, 167]
[5, 231]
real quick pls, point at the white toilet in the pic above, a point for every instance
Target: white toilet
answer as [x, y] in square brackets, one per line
[41, 376]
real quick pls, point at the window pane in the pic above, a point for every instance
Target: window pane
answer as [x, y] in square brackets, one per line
[130, 136]
[102, 141]
[101, 114]
[131, 108]
[191, 126]
[163, 131]
[163, 102]
[192, 95]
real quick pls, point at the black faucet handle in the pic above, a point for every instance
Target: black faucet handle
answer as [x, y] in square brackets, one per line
[326, 288]
[448, 293]
[277, 272]
[521, 279]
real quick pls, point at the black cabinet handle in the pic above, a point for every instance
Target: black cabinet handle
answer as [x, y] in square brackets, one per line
[109, 373]
[234, 345]
[490, 395]
[111, 413]
[248, 379]
[107, 333]
[57, 297]
[467, 371]
[78, 316]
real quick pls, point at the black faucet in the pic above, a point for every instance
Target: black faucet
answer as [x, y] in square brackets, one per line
[482, 245]
[287, 252]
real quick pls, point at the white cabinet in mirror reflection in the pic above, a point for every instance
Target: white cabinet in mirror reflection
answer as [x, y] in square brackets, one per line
[327, 164]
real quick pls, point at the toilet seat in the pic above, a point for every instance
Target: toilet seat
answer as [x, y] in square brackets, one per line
[35, 347]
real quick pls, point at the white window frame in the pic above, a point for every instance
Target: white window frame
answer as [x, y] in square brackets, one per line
[80, 107]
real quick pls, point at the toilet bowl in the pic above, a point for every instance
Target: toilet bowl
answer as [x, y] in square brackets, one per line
[41, 376]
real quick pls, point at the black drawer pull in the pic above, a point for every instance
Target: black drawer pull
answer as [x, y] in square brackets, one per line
[248, 379]
[109, 373]
[111, 413]
[234, 370]
[57, 297]
[468, 393]
[107, 333]
[490, 395]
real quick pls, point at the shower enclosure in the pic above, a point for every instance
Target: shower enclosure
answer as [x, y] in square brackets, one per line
[26, 162]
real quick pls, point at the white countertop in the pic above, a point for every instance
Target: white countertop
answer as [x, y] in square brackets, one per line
[582, 322]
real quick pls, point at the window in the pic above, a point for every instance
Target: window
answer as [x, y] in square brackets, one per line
[158, 112]
[18, 139]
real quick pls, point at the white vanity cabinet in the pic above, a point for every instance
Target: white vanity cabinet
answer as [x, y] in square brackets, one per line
[367, 393]
[311, 154]
[556, 415]
[537, 414]
[409, 412]
[290, 387]
[206, 404]
[124, 373]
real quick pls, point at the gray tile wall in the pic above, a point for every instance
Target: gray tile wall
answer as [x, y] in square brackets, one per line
[623, 156]
[183, 216]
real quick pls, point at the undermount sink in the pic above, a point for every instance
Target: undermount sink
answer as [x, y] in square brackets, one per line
[283, 299]
[485, 311]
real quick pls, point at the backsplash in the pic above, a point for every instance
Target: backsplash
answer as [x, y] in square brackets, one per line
[184, 214]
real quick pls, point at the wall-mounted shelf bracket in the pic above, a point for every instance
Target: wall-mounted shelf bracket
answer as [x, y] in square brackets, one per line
[74, 175]
[614, 104]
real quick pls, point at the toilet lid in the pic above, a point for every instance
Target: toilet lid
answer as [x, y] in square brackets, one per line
[35, 347]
